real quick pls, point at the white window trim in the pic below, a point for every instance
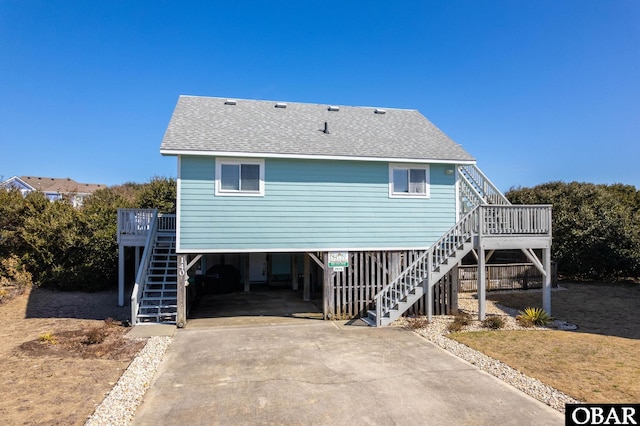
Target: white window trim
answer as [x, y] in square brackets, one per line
[407, 166]
[219, 192]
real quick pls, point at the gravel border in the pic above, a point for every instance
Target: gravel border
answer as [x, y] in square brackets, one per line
[119, 406]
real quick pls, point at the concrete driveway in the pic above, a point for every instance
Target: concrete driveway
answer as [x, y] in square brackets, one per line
[312, 372]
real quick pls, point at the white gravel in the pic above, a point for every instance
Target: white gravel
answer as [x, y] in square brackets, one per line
[437, 330]
[120, 405]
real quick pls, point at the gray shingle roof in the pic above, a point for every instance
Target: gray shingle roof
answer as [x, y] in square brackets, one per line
[204, 124]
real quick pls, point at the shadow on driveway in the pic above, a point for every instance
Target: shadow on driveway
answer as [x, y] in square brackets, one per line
[317, 372]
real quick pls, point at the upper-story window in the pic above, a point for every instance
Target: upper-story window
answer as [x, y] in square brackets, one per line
[409, 180]
[239, 177]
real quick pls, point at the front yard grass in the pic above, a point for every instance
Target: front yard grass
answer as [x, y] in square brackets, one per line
[598, 363]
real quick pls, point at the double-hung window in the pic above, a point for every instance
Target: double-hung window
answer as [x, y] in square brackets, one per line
[239, 177]
[409, 180]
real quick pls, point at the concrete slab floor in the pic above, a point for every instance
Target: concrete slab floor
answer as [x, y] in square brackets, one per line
[321, 373]
[151, 330]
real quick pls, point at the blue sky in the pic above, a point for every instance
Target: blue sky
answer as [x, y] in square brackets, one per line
[537, 91]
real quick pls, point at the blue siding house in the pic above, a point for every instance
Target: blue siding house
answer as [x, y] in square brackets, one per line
[288, 187]
[284, 177]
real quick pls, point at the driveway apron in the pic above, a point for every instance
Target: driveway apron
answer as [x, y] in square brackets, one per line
[326, 373]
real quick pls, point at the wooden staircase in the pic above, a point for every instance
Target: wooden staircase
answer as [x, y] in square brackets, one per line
[433, 264]
[158, 302]
[420, 277]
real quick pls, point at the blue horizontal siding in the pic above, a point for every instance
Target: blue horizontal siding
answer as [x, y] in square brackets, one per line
[311, 204]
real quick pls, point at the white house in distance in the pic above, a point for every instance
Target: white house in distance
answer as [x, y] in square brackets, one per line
[53, 188]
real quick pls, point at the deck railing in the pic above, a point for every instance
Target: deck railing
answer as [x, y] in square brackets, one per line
[138, 222]
[515, 220]
[134, 222]
[166, 222]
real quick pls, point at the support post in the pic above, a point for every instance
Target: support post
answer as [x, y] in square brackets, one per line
[247, 272]
[269, 267]
[428, 287]
[294, 271]
[181, 317]
[482, 284]
[453, 299]
[327, 287]
[306, 290]
[120, 275]
[137, 249]
[546, 288]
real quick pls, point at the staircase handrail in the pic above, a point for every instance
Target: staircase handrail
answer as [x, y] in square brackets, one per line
[425, 264]
[141, 274]
[470, 192]
[481, 183]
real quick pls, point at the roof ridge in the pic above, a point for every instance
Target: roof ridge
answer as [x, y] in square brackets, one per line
[297, 102]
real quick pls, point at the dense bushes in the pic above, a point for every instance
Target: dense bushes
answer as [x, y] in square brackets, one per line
[71, 248]
[596, 228]
[596, 231]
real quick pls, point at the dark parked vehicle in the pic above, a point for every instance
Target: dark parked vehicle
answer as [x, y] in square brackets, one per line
[219, 279]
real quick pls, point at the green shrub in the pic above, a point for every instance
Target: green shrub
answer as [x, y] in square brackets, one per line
[533, 316]
[48, 337]
[493, 322]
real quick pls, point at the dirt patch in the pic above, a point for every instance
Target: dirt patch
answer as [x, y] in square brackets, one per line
[103, 342]
[58, 355]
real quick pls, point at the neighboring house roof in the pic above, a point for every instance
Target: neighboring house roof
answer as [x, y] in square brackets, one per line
[62, 185]
[16, 183]
[49, 185]
[220, 126]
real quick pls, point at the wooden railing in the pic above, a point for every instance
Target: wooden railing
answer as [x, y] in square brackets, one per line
[515, 220]
[487, 191]
[166, 222]
[137, 222]
[434, 263]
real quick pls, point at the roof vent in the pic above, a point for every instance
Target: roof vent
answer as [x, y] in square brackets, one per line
[281, 105]
[334, 108]
[380, 111]
[230, 102]
[326, 128]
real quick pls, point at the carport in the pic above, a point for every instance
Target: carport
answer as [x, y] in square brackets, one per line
[246, 285]
[263, 304]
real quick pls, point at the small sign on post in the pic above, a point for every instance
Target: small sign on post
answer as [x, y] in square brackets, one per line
[338, 260]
